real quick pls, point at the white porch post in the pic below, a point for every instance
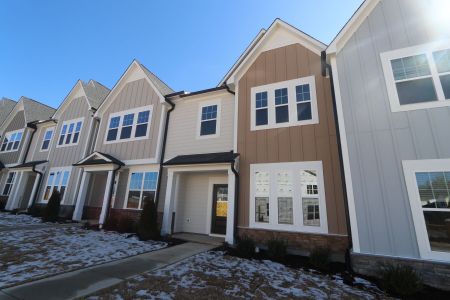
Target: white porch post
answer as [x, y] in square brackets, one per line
[78, 212]
[13, 195]
[106, 197]
[34, 190]
[168, 206]
[229, 237]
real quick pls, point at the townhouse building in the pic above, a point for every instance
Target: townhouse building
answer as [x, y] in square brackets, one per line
[122, 169]
[17, 132]
[390, 67]
[6, 106]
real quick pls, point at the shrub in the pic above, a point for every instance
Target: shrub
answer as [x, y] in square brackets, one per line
[320, 258]
[147, 227]
[51, 211]
[277, 249]
[400, 280]
[245, 247]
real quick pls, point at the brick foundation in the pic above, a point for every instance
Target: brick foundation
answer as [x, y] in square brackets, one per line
[91, 213]
[433, 273]
[300, 242]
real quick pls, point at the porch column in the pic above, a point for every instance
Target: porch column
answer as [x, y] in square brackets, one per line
[168, 206]
[34, 190]
[13, 195]
[81, 199]
[229, 237]
[106, 198]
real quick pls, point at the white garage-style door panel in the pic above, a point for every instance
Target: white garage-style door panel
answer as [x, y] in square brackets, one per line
[194, 203]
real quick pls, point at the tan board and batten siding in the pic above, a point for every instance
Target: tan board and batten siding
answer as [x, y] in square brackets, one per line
[134, 94]
[67, 156]
[18, 122]
[184, 121]
[291, 144]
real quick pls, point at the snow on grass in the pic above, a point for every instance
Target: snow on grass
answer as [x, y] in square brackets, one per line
[7, 219]
[215, 275]
[33, 254]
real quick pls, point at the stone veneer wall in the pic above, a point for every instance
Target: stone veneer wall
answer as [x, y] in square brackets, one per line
[433, 273]
[300, 242]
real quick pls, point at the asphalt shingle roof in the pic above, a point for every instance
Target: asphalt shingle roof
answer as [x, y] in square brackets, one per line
[95, 92]
[6, 106]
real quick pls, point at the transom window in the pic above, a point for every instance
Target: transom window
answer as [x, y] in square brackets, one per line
[293, 192]
[47, 139]
[209, 119]
[282, 104]
[57, 180]
[11, 141]
[418, 77]
[9, 183]
[129, 125]
[428, 183]
[142, 187]
[70, 133]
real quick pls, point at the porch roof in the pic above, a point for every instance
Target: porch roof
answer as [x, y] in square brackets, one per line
[29, 164]
[98, 158]
[206, 158]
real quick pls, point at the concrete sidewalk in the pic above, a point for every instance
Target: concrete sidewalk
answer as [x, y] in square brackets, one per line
[86, 281]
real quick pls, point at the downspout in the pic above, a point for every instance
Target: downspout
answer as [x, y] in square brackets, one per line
[111, 189]
[325, 67]
[236, 196]
[163, 150]
[40, 176]
[31, 126]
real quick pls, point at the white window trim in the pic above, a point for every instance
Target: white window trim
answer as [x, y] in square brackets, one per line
[427, 49]
[54, 170]
[68, 122]
[6, 182]
[295, 168]
[51, 139]
[9, 133]
[139, 169]
[121, 114]
[410, 167]
[202, 104]
[292, 103]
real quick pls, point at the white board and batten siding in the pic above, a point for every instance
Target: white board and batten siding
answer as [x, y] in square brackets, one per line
[379, 139]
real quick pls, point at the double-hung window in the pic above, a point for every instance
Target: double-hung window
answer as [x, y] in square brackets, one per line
[129, 125]
[9, 183]
[11, 141]
[57, 180]
[283, 104]
[418, 77]
[47, 139]
[288, 196]
[70, 133]
[209, 119]
[428, 184]
[142, 187]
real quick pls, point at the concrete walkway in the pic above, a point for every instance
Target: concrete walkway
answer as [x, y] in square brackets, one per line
[87, 281]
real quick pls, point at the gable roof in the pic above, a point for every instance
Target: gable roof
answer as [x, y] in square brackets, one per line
[98, 158]
[93, 91]
[352, 25]
[259, 44]
[204, 158]
[6, 106]
[161, 88]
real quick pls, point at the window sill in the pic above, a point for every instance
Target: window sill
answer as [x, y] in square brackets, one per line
[126, 140]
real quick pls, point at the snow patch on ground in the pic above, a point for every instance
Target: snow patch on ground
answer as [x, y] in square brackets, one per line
[214, 274]
[33, 254]
[7, 219]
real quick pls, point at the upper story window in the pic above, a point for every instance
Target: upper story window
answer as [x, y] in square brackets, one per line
[129, 125]
[142, 187]
[11, 141]
[47, 139]
[283, 104]
[209, 122]
[418, 77]
[288, 196]
[70, 133]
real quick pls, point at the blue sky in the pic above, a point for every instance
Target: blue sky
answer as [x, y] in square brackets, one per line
[46, 46]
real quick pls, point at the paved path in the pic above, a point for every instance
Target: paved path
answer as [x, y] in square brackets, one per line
[87, 281]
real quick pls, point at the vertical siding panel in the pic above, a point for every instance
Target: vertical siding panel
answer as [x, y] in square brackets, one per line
[250, 150]
[294, 131]
[282, 133]
[272, 140]
[261, 135]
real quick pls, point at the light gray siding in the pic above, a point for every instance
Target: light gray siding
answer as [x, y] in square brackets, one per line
[135, 94]
[378, 140]
[121, 191]
[184, 126]
[18, 122]
[35, 153]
